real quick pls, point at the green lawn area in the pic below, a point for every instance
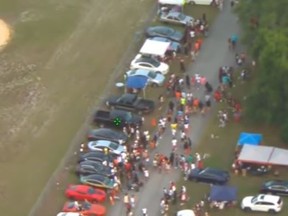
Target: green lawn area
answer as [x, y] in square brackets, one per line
[221, 151]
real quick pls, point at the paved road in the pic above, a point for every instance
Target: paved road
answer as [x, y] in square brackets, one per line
[214, 54]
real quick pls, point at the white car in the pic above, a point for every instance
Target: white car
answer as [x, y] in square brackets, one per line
[149, 63]
[69, 214]
[262, 202]
[156, 79]
[100, 145]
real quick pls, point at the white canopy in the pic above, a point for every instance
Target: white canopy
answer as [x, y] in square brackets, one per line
[186, 212]
[172, 2]
[255, 154]
[152, 47]
[279, 157]
[264, 155]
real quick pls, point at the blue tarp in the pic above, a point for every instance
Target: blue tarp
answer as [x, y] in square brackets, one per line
[249, 139]
[137, 82]
[223, 193]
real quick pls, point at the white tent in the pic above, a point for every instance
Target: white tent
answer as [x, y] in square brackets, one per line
[186, 212]
[279, 157]
[152, 47]
[255, 154]
[172, 2]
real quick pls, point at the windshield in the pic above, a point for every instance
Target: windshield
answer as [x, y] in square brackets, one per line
[181, 16]
[113, 146]
[152, 74]
[128, 116]
[86, 205]
[254, 199]
[91, 191]
[107, 181]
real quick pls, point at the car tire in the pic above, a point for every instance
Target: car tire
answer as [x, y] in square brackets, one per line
[154, 85]
[272, 211]
[247, 209]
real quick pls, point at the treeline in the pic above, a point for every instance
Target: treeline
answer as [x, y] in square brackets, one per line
[265, 25]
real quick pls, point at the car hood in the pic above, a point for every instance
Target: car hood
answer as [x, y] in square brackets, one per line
[247, 200]
[164, 67]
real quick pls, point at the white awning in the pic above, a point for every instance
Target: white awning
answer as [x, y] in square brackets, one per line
[172, 2]
[152, 47]
[279, 157]
[255, 154]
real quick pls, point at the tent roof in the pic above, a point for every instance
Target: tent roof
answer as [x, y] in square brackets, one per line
[249, 139]
[137, 82]
[255, 154]
[153, 47]
[223, 193]
[186, 212]
[279, 157]
[172, 2]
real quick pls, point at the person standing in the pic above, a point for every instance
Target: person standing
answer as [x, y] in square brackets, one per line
[144, 212]
[182, 66]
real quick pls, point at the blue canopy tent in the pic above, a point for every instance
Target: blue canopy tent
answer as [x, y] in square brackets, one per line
[223, 193]
[249, 139]
[137, 82]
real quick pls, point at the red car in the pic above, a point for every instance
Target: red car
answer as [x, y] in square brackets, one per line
[85, 192]
[85, 208]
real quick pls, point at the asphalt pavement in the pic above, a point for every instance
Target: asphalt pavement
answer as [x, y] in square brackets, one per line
[214, 54]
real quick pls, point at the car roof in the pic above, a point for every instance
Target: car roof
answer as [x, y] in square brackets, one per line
[68, 214]
[161, 27]
[268, 197]
[276, 182]
[102, 142]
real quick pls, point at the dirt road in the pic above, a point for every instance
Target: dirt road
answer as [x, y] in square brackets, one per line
[57, 65]
[214, 54]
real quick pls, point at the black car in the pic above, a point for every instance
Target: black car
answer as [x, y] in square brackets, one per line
[92, 167]
[276, 187]
[209, 175]
[117, 119]
[166, 32]
[97, 156]
[131, 102]
[107, 134]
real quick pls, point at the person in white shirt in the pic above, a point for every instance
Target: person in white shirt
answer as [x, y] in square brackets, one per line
[144, 212]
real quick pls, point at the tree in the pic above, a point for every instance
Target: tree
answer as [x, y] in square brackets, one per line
[265, 33]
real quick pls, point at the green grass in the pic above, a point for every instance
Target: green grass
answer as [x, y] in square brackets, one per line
[221, 152]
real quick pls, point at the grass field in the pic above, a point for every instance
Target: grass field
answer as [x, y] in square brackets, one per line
[221, 151]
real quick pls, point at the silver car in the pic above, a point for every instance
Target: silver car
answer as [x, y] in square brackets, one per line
[100, 145]
[176, 18]
[154, 78]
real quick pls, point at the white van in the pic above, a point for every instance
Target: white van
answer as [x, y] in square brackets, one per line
[202, 2]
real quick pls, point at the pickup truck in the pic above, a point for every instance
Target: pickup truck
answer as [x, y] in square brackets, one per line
[117, 118]
[132, 103]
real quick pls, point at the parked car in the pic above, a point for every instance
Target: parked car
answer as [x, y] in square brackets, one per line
[88, 167]
[85, 192]
[174, 46]
[149, 63]
[166, 32]
[68, 214]
[107, 134]
[276, 187]
[98, 181]
[85, 208]
[97, 157]
[117, 118]
[262, 202]
[131, 102]
[176, 18]
[154, 78]
[209, 175]
[100, 145]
